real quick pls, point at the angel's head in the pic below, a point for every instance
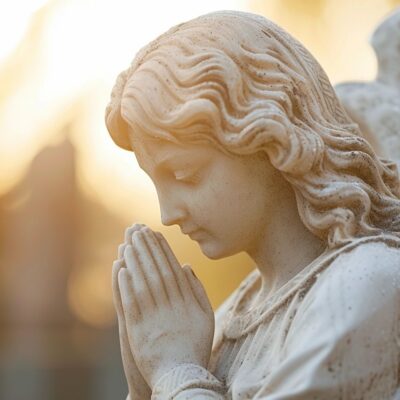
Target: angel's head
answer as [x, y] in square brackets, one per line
[234, 86]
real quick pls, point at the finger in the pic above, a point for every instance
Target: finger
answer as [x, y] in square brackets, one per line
[167, 275]
[123, 334]
[126, 352]
[129, 231]
[150, 269]
[121, 250]
[174, 265]
[128, 238]
[130, 303]
[139, 279]
[198, 290]
[117, 265]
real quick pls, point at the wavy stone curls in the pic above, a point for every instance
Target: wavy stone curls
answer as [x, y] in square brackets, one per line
[241, 83]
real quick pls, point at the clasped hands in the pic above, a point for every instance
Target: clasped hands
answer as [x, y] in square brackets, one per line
[164, 316]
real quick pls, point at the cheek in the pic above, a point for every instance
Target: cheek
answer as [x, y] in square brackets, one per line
[240, 200]
[243, 214]
[231, 202]
[205, 201]
[231, 214]
[227, 215]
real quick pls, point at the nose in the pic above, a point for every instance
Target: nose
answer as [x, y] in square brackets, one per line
[172, 208]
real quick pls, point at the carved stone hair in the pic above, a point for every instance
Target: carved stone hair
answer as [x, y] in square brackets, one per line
[240, 82]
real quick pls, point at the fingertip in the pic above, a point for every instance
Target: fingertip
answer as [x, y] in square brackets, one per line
[129, 231]
[188, 271]
[146, 230]
[140, 227]
[137, 227]
[117, 264]
[127, 250]
[136, 235]
[150, 235]
[115, 268]
[127, 234]
[121, 248]
[123, 274]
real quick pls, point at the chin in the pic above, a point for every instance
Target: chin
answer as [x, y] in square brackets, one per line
[215, 252]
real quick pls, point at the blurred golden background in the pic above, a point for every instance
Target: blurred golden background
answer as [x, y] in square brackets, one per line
[67, 192]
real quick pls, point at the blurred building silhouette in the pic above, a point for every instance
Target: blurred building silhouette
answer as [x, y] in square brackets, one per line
[48, 230]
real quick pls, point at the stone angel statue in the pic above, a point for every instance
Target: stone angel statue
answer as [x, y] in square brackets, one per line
[250, 150]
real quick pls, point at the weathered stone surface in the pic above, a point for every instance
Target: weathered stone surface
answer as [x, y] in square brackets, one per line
[251, 151]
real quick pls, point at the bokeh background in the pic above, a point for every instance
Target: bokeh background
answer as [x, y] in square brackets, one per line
[67, 192]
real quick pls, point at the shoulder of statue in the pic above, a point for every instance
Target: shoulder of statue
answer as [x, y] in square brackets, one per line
[365, 278]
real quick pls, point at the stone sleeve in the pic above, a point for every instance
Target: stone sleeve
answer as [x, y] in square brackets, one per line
[188, 381]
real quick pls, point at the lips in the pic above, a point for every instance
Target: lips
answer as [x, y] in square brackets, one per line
[191, 233]
[196, 235]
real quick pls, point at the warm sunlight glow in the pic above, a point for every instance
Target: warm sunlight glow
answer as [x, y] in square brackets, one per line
[58, 62]
[89, 295]
[14, 20]
[83, 46]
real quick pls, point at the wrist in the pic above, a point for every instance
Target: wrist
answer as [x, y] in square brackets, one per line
[160, 372]
[185, 377]
[164, 371]
[174, 361]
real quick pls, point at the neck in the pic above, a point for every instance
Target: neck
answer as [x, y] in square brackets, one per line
[286, 247]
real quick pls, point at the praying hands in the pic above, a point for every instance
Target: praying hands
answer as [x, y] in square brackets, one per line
[165, 318]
